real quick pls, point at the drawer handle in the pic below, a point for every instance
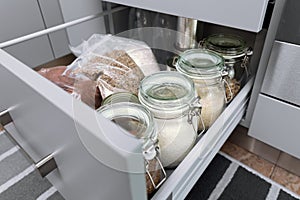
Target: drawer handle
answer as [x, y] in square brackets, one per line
[46, 164]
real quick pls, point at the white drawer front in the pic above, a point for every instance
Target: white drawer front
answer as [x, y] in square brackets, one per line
[47, 120]
[247, 15]
[277, 124]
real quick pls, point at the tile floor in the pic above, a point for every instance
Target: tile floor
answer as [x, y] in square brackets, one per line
[271, 170]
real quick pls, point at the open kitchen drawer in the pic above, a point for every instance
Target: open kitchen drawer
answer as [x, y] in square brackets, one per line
[47, 120]
[94, 159]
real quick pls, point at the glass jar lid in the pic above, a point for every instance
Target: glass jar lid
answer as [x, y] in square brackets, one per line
[200, 64]
[225, 44]
[132, 117]
[166, 91]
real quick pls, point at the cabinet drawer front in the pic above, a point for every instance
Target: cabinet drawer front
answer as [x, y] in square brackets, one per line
[247, 15]
[277, 124]
[48, 120]
[282, 79]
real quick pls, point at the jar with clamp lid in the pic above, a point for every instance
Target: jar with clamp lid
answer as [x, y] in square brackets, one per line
[234, 51]
[206, 68]
[172, 99]
[138, 121]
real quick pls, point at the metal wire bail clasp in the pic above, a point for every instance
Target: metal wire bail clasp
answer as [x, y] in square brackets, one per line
[224, 74]
[245, 61]
[153, 153]
[195, 111]
[201, 44]
[175, 60]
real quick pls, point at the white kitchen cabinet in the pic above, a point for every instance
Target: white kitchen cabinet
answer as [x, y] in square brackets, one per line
[18, 18]
[246, 15]
[276, 114]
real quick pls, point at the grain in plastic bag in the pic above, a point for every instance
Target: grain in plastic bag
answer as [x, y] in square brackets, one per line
[116, 64]
[81, 87]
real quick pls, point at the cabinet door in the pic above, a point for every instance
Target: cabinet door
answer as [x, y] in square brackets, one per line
[74, 9]
[18, 18]
[247, 15]
[52, 16]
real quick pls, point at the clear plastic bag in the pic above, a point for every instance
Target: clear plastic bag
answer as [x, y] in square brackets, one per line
[116, 64]
[55, 75]
[81, 87]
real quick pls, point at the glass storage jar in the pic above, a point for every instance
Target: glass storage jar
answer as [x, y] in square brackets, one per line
[138, 121]
[172, 99]
[120, 97]
[206, 68]
[234, 51]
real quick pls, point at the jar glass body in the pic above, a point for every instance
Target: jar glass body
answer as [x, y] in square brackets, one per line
[234, 51]
[206, 69]
[212, 99]
[171, 96]
[138, 121]
[176, 136]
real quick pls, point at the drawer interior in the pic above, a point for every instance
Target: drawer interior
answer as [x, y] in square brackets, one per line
[181, 179]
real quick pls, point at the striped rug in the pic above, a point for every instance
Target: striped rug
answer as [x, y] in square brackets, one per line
[228, 179]
[224, 179]
[18, 178]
